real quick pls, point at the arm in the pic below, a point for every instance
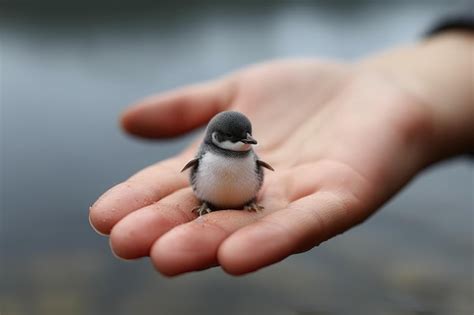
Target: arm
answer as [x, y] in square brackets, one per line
[439, 71]
[342, 138]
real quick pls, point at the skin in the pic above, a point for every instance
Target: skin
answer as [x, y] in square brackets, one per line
[343, 139]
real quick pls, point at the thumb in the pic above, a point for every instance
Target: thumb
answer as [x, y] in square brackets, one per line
[176, 112]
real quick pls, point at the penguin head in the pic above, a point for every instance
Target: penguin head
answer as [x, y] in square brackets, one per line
[230, 131]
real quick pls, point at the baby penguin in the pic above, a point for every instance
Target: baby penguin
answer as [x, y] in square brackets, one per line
[226, 173]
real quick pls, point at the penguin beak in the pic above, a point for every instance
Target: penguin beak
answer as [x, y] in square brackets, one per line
[249, 140]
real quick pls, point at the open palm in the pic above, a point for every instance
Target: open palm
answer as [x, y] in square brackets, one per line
[342, 140]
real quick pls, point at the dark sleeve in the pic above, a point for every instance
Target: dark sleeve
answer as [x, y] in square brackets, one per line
[456, 22]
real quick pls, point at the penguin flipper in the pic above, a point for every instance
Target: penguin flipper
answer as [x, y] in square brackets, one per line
[192, 163]
[265, 164]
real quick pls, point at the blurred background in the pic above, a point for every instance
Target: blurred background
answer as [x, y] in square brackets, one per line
[69, 68]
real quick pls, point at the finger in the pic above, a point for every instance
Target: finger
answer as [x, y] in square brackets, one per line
[140, 190]
[133, 236]
[194, 245]
[303, 225]
[178, 111]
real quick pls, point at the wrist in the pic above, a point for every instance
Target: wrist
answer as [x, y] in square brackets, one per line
[438, 72]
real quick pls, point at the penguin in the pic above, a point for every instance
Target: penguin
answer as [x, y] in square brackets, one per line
[226, 172]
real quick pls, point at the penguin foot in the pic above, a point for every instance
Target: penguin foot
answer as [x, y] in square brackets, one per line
[202, 209]
[253, 207]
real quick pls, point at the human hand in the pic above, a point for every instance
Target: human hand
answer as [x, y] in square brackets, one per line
[342, 139]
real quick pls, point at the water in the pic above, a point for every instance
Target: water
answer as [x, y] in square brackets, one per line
[67, 72]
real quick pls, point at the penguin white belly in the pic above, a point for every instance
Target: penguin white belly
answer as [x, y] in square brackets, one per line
[226, 182]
